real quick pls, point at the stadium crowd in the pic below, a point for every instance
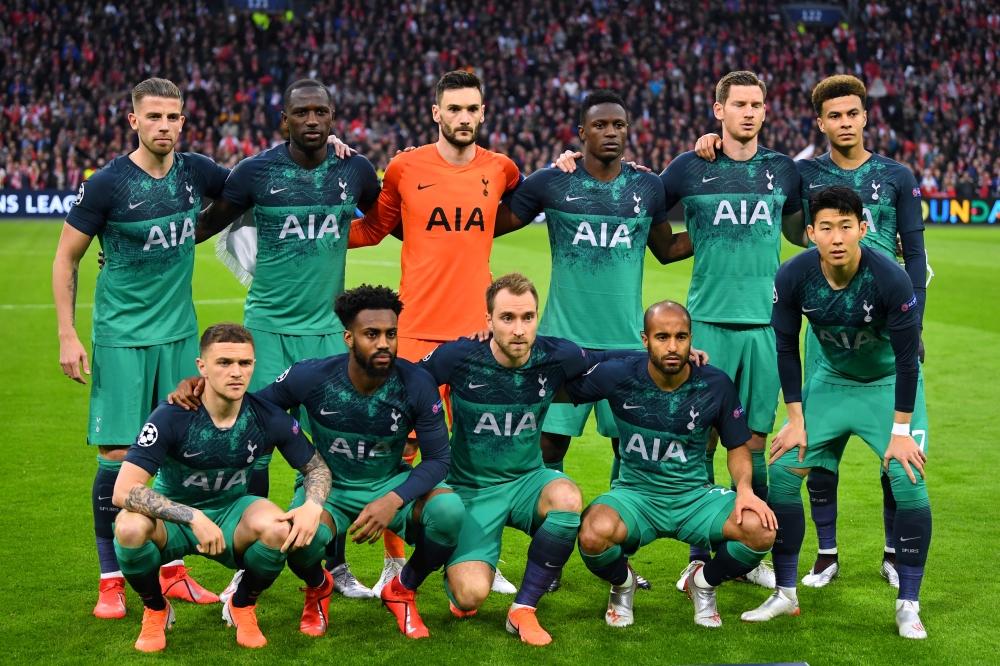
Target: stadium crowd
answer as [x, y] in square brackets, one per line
[67, 68]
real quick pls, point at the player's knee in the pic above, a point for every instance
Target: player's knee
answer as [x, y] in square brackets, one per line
[444, 514]
[132, 529]
[595, 537]
[754, 535]
[566, 496]
[273, 533]
[469, 592]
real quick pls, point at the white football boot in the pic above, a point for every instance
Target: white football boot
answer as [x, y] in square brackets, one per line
[822, 577]
[706, 613]
[889, 572]
[908, 620]
[619, 612]
[762, 575]
[784, 601]
[392, 568]
[230, 590]
[682, 581]
[347, 584]
[501, 585]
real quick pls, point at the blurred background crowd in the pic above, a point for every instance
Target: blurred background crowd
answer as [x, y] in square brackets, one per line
[67, 68]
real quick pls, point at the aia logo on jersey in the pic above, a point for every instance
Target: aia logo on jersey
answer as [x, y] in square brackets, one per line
[440, 219]
[738, 412]
[909, 304]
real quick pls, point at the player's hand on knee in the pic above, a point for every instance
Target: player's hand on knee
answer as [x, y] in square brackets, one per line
[747, 501]
[567, 161]
[188, 393]
[72, 355]
[375, 518]
[904, 450]
[305, 522]
[706, 146]
[481, 336]
[340, 149]
[698, 357]
[791, 435]
[210, 538]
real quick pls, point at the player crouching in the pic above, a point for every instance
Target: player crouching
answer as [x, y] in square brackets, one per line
[199, 503]
[665, 408]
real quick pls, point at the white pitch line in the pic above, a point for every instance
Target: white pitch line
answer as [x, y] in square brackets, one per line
[80, 306]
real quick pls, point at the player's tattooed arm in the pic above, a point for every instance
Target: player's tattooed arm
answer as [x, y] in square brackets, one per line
[793, 228]
[148, 502]
[317, 479]
[219, 215]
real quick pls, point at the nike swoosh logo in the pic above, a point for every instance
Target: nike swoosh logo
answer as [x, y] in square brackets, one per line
[424, 187]
[134, 206]
[326, 413]
[812, 310]
[104, 498]
[708, 180]
[910, 539]
[813, 186]
[274, 191]
[628, 406]
[592, 368]
[475, 386]
[569, 198]
[552, 566]
[192, 455]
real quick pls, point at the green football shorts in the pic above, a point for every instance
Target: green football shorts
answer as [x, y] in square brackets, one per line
[276, 353]
[567, 419]
[128, 382]
[489, 510]
[695, 516]
[834, 412]
[345, 503]
[181, 540]
[748, 355]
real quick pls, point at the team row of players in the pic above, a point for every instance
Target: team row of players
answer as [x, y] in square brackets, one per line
[601, 218]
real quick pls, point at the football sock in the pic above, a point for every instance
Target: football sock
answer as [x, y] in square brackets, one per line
[699, 553]
[822, 487]
[141, 568]
[261, 566]
[440, 523]
[260, 482]
[610, 565]
[558, 466]
[105, 513]
[785, 499]
[732, 560]
[913, 536]
[306, 562]
[549, 551]
[335, 551]
[758, 480]
[888, 512]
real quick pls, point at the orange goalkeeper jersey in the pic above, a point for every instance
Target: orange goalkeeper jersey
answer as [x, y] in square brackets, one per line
[448, 215]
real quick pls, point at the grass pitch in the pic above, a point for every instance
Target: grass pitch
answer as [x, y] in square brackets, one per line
[49, 582]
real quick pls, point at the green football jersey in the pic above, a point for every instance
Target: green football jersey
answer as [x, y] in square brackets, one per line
[198, 464]
[888, 190]
[733, 213]
[303, 219]
[597, 234]
[146, 228]
[664, 434]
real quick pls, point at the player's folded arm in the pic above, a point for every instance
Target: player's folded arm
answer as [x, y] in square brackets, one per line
[432, 437]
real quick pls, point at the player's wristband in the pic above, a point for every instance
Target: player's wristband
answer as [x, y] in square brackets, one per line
[901, 429]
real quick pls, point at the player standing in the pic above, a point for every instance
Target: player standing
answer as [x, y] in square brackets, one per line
[891, 200]
[736, 210]
[143, 208]
[864, 313]
[199, 501]
[441, 199]
[666, 408]
[303, 198]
